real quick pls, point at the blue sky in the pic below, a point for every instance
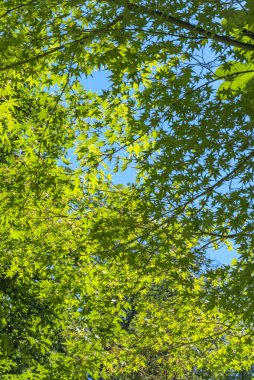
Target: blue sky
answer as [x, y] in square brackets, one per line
[97, 83]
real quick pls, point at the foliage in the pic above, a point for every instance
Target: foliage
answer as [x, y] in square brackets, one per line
[113, 281]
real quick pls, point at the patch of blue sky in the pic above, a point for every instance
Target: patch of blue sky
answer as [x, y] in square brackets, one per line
[99, 81]
[222, 255]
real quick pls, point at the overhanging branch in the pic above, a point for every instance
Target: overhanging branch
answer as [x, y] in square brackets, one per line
[184, 25]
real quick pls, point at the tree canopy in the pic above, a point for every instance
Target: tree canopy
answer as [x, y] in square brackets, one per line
[108, 280]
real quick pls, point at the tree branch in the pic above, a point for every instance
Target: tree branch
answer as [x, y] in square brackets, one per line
[222, 236]
[184, 25]
[15, 8]
[49, 52]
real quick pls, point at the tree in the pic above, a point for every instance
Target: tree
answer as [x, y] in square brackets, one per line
[97, 276]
